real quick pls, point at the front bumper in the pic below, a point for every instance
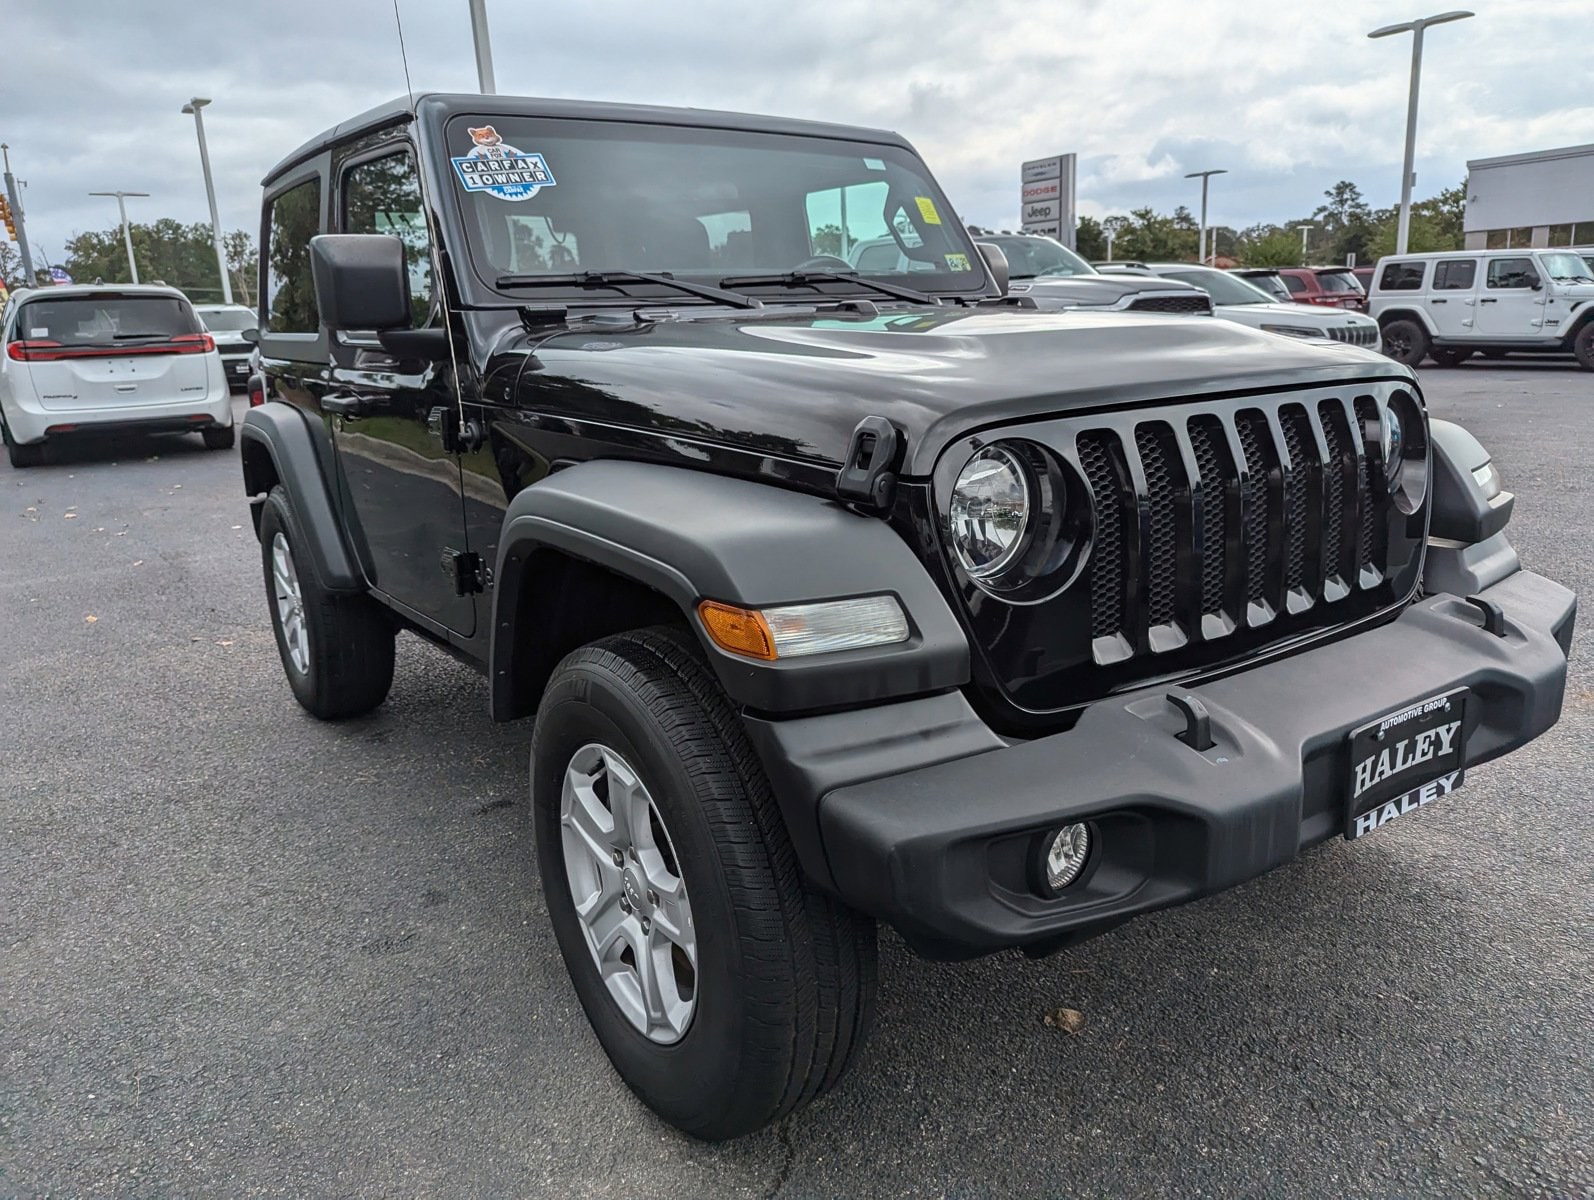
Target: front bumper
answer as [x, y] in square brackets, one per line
[943, 851]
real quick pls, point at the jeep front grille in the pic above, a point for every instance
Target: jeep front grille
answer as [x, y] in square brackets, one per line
[1209, 524]
[1219, 530]
[1356, 335]
[1172, 304]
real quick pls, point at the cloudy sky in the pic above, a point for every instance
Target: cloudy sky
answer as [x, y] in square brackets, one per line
[1288, 96]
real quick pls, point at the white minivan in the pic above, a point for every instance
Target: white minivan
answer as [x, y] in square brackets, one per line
[104, 359]
[1493, 302]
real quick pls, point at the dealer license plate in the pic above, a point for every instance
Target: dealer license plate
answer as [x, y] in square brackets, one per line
[1403, 761]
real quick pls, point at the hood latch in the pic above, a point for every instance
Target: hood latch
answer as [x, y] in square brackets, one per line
[868, 473]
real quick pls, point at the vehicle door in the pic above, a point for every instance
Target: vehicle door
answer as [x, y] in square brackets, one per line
[400, 485]
[1452, 297]
[1512, 302]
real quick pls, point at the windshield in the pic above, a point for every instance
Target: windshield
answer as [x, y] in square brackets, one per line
[559, 197]
[229, 319]
[1338, 281]
[1566, 267]
[104, 319]
[1029, 257]
[1220, 285]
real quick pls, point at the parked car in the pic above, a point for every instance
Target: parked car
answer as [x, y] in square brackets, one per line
[228, 324]
[844, 597]
[1331, 287]
[1236, 299]
[1269, 280]
[104, 359]
[1364, 276]
[1053, 277]
[1452, 304]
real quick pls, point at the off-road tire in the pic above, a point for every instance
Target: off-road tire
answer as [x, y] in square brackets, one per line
[786, 976]
[29, 455]
[219, 437]
[1406, 342]
[1583, 346]
[350, 636]
[1450, 358]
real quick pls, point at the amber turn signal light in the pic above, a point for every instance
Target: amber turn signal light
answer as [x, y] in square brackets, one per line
[739, 630]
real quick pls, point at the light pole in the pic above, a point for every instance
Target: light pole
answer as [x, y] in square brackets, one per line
[193, 106]
[1415, 28]
[14, 198]
[127, 234]
[484, 46]
[1204, 177]
[1304, 230]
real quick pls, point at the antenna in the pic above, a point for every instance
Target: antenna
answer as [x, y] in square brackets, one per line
[431, 227]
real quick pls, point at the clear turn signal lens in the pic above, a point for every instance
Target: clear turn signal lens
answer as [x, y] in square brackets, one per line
[796, 630]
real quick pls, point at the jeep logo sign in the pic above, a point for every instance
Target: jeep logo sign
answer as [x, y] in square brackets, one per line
[1046, 197]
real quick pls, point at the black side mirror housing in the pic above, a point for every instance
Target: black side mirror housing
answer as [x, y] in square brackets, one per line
[360, 281]
[252, 336]
[995, 263]
[1536, 284]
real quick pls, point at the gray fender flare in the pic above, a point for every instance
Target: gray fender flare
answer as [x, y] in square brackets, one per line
[281, 431]
[690, 536]
[1468, 550]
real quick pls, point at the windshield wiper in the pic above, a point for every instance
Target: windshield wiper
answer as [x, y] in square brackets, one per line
[613, 279]
[809, 278]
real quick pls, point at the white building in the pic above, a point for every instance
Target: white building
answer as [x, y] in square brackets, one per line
[1541, 199]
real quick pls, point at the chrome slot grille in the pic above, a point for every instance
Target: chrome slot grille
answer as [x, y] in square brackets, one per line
[1356, 335]
[1214, 522]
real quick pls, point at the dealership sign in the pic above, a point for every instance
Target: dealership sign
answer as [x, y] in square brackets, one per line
[1046, 197]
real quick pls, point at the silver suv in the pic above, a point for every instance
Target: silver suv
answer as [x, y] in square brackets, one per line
[1493, 302]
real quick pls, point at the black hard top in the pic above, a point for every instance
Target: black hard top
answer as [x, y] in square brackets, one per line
[438, 106]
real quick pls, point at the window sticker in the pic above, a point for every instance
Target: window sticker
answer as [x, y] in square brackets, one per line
[957, 262]
[38, 333]
[927, 210]
[501, 170]
[875, 164]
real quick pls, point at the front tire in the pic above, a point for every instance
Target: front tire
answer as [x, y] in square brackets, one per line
[642, 778]
[1406, 342]
[1583, 346]
[1450, 358]
[337, 650]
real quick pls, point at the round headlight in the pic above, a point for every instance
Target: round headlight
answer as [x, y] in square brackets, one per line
[989, 511]
[1394, 442]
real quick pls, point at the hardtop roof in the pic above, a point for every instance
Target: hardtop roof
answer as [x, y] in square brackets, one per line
[447, 104]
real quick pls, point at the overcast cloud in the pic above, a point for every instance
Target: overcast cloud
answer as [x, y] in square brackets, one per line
[1288, 96]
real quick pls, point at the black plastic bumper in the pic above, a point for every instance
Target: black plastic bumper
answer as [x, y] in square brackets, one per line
[945, 852]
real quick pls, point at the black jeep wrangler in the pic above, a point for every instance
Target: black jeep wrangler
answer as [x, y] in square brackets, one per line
[844, 597]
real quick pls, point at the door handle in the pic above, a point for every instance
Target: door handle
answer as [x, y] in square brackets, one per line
[345, 406]
[1489, 300]
[1438, 301]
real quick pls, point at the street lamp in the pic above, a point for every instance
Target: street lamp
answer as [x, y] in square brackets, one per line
[1415, 28]
[127, 234]
[484, 47]
[1304, 229]
[1204, 177]
[193, 106]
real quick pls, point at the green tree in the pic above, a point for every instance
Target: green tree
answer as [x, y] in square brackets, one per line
[1090, 239]
[165, 250]
[1269, 246]
[1153, 237]
[10, 265]
[827, 240]
[239, 249]
[1446, 214]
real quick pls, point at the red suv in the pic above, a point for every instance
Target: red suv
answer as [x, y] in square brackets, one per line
[1333, 287]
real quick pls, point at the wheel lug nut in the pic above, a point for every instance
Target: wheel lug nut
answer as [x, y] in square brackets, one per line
[619, 859]
[647, 925]
[653, 898]
[625, 904]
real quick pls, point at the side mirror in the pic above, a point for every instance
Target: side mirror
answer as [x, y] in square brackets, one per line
[252, 336]
[1535, 283]
[995, 263]
[360, 281]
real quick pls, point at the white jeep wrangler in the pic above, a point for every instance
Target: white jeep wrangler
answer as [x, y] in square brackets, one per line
[1495, 302]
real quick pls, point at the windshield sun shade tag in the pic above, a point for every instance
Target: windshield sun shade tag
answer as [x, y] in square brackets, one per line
[927, 210]
[499, 169]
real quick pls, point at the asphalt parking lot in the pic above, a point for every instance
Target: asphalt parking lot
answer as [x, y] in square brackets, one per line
[248, 954]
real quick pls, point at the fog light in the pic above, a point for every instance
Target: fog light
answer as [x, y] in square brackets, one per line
[1065, 856]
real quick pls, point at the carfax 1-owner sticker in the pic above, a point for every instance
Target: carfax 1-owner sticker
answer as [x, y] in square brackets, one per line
[499, 169]
[1404, 761]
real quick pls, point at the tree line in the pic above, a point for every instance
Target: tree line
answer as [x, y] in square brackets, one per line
[166, 251]
[1344, 224]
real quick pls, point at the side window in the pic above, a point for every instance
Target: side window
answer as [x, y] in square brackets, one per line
[1455, 275]
[1402, 277]
[383, 195]
[1296, 284]
[1512, 273]
[290, 292]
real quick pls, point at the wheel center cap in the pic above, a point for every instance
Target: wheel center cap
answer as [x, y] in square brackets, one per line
[634, 890]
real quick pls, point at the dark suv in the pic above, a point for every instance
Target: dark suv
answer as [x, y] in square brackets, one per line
[843, 597]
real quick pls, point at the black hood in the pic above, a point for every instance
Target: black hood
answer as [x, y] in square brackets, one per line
[794, 385]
